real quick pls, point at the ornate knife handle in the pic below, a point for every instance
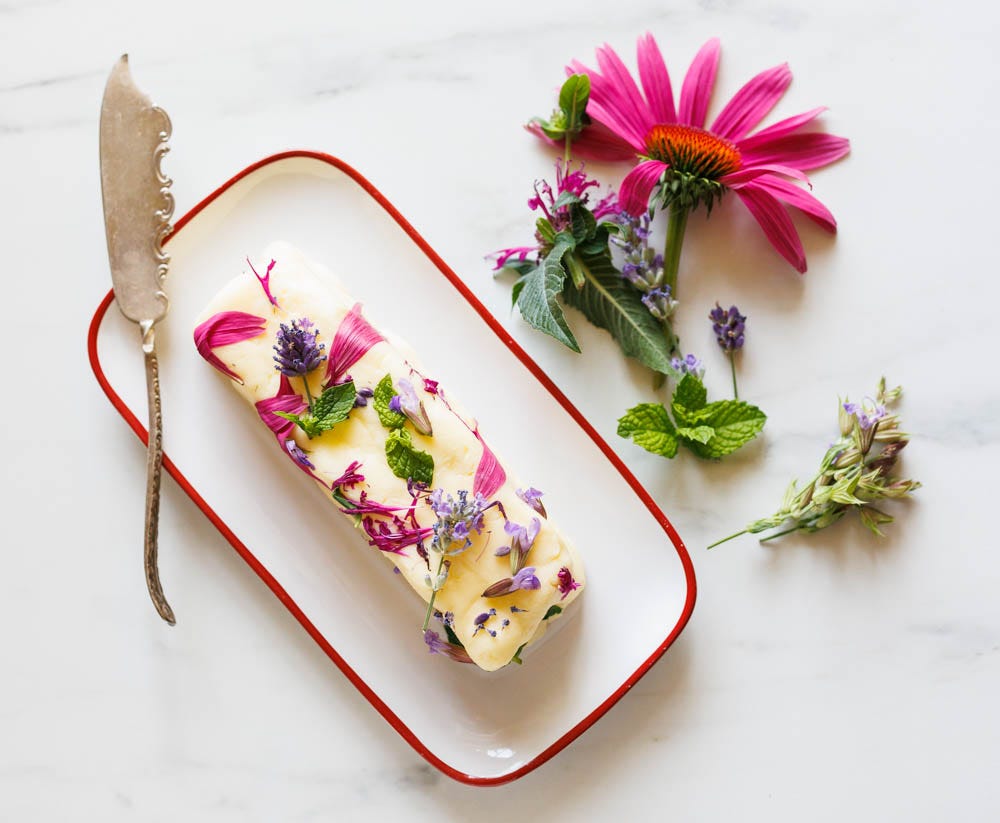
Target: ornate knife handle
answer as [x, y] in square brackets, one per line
[154, 466]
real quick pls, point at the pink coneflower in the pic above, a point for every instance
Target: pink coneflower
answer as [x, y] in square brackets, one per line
[689, 164]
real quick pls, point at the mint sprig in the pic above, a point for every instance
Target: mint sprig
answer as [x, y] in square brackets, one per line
[384, 392]
[710, 430]
[333, 406]
[405, 460]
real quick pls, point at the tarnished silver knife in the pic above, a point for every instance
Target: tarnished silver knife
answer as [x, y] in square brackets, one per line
[137, 211]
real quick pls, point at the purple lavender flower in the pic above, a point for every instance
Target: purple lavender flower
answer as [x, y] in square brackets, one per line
[523, 537]
[516, 610]
[533, 497]
[659, 303]
[407, 402]
[364, 395]
[297, 454]
[457, 518]
[642, 265]
[481, 621]
[688, 365]
[435, 645]
[729, 326]
[297, 353]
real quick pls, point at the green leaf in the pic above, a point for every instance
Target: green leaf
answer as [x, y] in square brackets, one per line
[306, 422]
[566, 198]
[573, 98]
[452, 637]
[335, 403]
[537, 297]
[699, 434]
[545, 230]
[406, 461]
[735, 424]
[691, 393]
[515, 291]
[384, 392]
[552, 612]
[609, 302]
[583, 224]
[649, 426]
[575, 269]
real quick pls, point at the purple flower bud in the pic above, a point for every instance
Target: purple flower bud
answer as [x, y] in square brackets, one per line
[728, 325]
[688, 365]
[297, 353]
[409, 404]
[364, 395]
[533, 497]
[566, 582]
[297, 454]
[525, 579]
[435, 645]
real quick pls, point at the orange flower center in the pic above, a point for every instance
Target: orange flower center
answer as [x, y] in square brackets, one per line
[693, 151]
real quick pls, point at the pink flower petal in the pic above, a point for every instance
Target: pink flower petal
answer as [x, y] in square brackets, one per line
[740, 178]
[752, 102]
[780, 129]
[605, 105]
[225, 329]
[628, 99]
[656, 81]
[698, 82]
[286, 400]
[799, 198]
[638, 185]
[804, 151]
[490, 475]
[776, 223]
[353, 339]
[265, 281]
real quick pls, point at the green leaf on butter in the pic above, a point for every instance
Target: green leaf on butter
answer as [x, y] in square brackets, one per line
[384, 392]
[407, 462]
[333, 406]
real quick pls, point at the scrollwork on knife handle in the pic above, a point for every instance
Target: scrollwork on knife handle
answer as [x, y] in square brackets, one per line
[154, 467]
[166, 210]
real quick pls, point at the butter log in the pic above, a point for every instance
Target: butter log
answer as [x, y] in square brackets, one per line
[356, 411]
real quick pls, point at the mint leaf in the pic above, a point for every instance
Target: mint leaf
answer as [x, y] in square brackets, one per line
[573, 98]
[690, 393]
[407, 462]
[552, 612]
[735, 423]
[537, 297]
[609, 302]
[699, 434]
[582, 222]
[384, 392]
[649, 426]
[566, 198]
[306, 422]
[335, 403]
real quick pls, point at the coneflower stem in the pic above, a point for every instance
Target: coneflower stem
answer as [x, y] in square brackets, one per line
[732, 365]
[566, 151]
[676, 224]
[430, 604]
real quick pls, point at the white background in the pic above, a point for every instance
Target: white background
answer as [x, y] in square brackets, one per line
[820, 678]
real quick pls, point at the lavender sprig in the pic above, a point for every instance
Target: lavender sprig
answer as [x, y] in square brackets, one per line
[854, 473]
[296, 351]
[730, 331]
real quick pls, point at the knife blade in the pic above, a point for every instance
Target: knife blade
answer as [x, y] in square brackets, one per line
[137, 211]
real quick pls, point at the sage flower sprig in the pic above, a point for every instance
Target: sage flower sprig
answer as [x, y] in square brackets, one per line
[855, 473]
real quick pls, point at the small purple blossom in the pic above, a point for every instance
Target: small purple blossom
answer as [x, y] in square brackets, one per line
[566, 582]
[642, 265]
[533, 497]
[407, 402]
[867, 414]
[298, 455]
[457, 518]
[364, 395]
[526, 580]
[689, 364]
[729, 327]
[523, 537]
[481, 621]
[296, 352]
[659, 303]
[435, 645]
[516, 610]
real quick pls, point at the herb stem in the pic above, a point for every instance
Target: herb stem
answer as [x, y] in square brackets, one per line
[781, 534]
[726, 539]
[676, 224]
[430, 604]
[567, 151]
[309, 397]
[732, 366]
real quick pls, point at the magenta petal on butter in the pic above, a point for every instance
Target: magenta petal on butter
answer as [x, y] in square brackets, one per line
[265, 281]
[353, 339]
[224, 329]
[490, 475]
[286, 400]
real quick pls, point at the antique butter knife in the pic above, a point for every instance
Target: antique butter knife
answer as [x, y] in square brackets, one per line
[137, 211]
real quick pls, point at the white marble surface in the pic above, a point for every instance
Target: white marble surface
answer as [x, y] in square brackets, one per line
[821, 679]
